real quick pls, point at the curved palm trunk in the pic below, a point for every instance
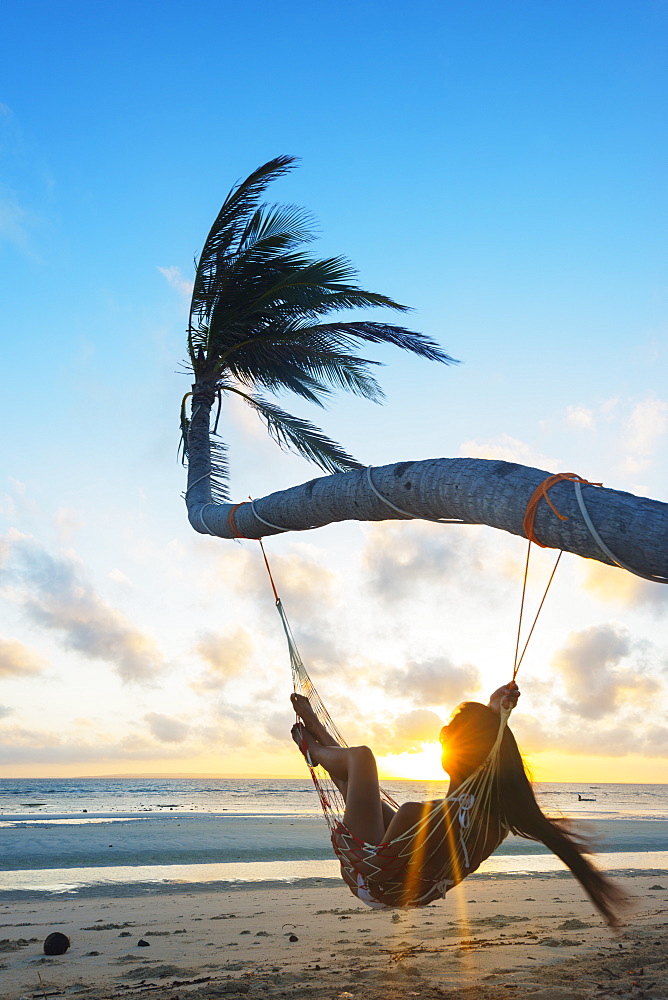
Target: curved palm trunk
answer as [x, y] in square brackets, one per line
[472, 490]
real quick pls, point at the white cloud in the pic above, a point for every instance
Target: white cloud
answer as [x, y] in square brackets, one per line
[619, 587]
[581, 417]
[507, 449]
[411, 729]
[55, 594]
[308, 590]
[588, 665]
[17, 660]
[227, 655]
[626, 736]
[646, 426]
[432, 682]
[230, 729]
[26, 746]
[166, 728]
[5, 710]
[68, 521]
[608, 406]
[399, 558]
[278, 725]
[174, 277]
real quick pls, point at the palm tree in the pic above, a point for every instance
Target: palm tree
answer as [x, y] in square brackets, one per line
[255, 326]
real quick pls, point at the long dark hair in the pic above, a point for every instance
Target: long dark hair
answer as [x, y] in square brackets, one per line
[470, 735]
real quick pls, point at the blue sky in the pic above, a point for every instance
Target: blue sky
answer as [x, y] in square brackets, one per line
[500, 168]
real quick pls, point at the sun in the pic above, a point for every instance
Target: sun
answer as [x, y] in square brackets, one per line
[424, 765]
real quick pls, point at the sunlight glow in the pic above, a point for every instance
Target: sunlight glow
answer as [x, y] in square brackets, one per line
[425, 765]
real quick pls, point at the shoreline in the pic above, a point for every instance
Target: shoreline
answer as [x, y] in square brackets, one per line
[85, 883]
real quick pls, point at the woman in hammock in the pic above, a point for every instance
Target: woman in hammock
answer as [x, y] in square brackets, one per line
[410, 856]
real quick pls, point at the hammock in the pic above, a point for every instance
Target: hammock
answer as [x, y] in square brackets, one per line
[454, 834]
[409, 870]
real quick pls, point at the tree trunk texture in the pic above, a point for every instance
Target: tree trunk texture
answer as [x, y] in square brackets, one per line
[471, 490]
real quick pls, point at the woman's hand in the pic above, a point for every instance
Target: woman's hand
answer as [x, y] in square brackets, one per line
[504, 697]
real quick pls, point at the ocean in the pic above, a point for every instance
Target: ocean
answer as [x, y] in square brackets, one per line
[24, 798]
[130, 835]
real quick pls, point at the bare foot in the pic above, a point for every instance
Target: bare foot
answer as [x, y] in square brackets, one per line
[307, 744]
[302, 707]
[316, 754]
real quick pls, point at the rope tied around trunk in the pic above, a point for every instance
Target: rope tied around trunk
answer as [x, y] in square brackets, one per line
[540, 493]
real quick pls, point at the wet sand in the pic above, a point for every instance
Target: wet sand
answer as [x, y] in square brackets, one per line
[493, 937]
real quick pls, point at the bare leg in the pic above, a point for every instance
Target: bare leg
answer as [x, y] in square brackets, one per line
[355, 769]
[320, 734]
[316, 729]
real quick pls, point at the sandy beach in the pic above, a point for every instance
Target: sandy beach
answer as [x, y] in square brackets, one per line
[251, 905]
[493, 937]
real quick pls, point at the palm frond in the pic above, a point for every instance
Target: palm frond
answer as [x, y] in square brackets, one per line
[299, 285]
[255, 320]
[275, 229]
[320, 366]
[301, 436]
[383, 333]
[281, 377]
[239, 206]
[220, 470]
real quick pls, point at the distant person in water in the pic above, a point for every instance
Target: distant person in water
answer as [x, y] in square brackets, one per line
[368, 840]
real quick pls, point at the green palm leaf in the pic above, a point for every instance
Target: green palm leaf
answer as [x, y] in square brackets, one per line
[301, 436]
[255, 321]
[233, 218]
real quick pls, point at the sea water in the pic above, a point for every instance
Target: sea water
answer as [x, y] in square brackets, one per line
[631, 818]
[28, 797]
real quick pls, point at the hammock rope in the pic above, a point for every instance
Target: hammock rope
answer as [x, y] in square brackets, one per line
[444, 845]
[439, 849]
[519, 657]
[455, 833]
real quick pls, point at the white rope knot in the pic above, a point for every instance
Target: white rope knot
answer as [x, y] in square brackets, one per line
[444, 885]
[466, 801]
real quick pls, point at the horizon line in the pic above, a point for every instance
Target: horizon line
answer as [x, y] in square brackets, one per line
[175, 775]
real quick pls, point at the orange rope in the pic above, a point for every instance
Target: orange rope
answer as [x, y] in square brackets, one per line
[231, 523]
[540, 493]
[271, 579]
[518, 659]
